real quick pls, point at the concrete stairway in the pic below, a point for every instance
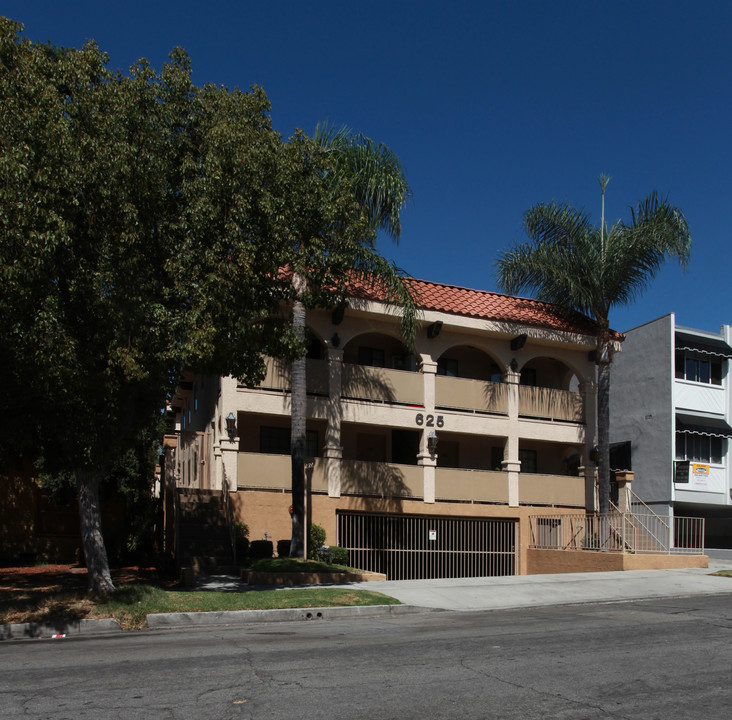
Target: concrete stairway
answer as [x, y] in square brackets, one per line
[204, 543]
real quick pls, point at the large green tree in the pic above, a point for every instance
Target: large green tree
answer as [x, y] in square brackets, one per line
[372, 176]
[570, 261]
[145, 224]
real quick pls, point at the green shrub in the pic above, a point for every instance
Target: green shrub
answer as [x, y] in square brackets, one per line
[261, 549]
[241, 537]
[316, 540]
[283, 548]
[338, 555]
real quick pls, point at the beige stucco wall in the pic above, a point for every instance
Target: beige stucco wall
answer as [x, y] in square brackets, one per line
[268, 512]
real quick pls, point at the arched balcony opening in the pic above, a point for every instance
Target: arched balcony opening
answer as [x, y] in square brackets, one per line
[548, 389]
[550, 474]
[278, 372]
[470, 379]
[378, 367]
[547, 372]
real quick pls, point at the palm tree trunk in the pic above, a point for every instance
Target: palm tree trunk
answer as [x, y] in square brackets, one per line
[603, 423]
[90, 518]
[298, 410]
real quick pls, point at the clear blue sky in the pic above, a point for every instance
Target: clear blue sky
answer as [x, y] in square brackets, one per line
[492, 107]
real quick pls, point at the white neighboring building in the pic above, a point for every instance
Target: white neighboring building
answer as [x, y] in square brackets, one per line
[670, 398]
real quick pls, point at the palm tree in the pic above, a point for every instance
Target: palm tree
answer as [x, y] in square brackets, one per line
[575, 264]
[375, 176]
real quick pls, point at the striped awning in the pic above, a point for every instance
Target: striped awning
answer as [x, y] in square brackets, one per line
[708, 346]
[713, 427]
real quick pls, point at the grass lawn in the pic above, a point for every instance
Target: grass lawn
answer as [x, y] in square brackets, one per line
[58, 592]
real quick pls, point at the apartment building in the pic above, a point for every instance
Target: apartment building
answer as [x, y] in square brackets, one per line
[423, 463]
[670, 420]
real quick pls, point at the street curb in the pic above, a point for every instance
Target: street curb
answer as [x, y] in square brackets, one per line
[160, 621]
[61, 629]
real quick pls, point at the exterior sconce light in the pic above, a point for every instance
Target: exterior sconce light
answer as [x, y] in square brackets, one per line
[432, 442]
[335, 341]
[514, 365]
[434, 330]
[231, 425]
[519, 341]
[595, 454]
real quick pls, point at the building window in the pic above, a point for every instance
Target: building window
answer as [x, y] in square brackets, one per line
[698, 368]
[700, 448]
[371, 357]
[496, 373]
[528, 461]
[276, 441]
[448, 367]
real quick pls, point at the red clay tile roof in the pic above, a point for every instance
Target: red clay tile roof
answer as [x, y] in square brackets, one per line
[492, 306]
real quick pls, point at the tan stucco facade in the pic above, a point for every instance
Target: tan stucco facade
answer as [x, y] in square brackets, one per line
[515, 423]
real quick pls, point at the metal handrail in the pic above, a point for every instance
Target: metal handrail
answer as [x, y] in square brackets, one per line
[636, 501]
[615, 532]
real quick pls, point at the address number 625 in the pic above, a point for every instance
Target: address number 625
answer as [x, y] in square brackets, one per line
[429, 420]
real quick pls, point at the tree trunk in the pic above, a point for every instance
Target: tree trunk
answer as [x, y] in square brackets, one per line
[603, 424]
[298, 409]
[90, 519]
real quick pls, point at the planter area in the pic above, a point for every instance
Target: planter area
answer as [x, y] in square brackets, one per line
[253, 577]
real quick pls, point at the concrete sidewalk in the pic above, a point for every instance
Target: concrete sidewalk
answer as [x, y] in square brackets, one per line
[470, 594]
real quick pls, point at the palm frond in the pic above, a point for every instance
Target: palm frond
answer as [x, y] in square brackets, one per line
[374, 172]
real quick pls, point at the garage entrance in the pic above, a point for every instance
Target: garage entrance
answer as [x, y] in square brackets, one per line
[413, 547]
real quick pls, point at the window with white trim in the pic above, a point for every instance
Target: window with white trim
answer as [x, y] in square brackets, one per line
[698, 367]
[700, 448]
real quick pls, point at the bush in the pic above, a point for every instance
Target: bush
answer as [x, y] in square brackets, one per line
[260, 549]
[339, 555]
[283, 548]
[241, 533]
[316, 540]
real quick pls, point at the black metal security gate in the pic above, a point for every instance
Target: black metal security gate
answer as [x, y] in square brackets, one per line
[412, 547]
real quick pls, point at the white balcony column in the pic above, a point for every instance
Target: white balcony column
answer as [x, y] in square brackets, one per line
[229, 462]
[511, 464]
[226, 450]
[217, 477]
[333, 450]
[588, 389]
[425, 460]
[428, 369]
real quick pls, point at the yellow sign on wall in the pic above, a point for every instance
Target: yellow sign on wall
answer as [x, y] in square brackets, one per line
[699, 473]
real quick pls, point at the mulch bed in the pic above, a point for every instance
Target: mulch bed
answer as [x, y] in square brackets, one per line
[71, 577]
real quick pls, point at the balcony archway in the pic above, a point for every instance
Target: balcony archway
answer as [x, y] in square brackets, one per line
[469, 378]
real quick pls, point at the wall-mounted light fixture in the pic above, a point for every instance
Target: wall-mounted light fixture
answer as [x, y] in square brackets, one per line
[519, 341]
[335, 341]
[231, 425]
[434, 330]
[432, 442]
[595, 454]
[513, 365]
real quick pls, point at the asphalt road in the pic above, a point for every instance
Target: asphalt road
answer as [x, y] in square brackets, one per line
[645, 659]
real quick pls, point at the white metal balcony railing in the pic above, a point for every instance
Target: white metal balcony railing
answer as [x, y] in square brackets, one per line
[617, 532]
